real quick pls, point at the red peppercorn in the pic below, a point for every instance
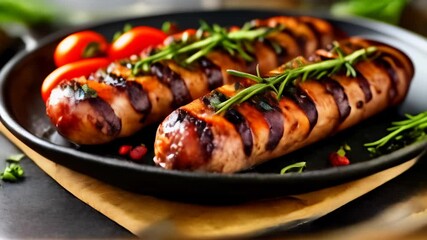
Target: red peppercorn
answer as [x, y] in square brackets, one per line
[125, 149]
[338, 160]
[138, 152]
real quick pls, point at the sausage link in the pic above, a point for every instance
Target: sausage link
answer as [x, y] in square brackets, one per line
[138, 101]
[264, 128]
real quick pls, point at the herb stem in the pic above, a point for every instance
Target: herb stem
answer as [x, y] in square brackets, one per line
[299, 166]
[247, 34]
[417, 122]
[207, 39]
[282, 80]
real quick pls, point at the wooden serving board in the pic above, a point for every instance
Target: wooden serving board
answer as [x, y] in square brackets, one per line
[147, 216]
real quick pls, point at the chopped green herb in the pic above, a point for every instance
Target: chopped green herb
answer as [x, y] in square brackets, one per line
[299, 166]
[346, 147]
[13, 171]
[342, 151]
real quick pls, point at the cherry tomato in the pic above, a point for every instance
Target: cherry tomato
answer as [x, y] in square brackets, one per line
[134, 41]
[80, 45]
[71, 70]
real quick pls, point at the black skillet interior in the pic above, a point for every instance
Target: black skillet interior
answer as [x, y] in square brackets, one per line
[23, 112]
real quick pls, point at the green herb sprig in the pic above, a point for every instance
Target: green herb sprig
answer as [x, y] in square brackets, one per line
[208, 38]
[279, 82]
[13, 171]
[413, 127]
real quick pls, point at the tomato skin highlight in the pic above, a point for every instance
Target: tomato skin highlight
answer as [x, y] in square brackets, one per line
[134, 41]
[71, 70]
[80, 45]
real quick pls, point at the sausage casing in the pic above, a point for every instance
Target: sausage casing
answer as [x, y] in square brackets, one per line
[124, 103]
[195, 138]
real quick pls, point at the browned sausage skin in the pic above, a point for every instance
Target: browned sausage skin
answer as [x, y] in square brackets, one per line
[195, 138]
[140, 100]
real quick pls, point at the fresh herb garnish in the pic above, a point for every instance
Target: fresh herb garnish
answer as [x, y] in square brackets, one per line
[206, 39]
[342, 151]
[278, 83]
[299, 166]
[410, 130]
[13, 171]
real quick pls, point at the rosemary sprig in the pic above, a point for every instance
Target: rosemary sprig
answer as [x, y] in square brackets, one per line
[413, 127]
[278, 83]
[206, 39]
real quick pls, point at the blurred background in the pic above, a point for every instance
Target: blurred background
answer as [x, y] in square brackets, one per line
[18, 18]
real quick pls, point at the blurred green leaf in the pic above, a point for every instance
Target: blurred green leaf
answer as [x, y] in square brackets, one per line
[383, 10]
[27, 12]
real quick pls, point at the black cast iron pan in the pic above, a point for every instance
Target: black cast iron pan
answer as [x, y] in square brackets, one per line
[22, 112]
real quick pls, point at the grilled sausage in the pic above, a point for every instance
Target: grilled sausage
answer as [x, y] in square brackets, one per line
[194, 138]
[125, 103]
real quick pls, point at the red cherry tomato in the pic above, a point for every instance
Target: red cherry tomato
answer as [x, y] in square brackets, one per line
[71, 70]
[80, 45]
[134, 41]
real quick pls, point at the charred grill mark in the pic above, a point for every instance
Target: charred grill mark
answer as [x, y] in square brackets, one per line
[274, 118]
[300, 40]
[281, 52]
[396, 61]
[350, 45]
[180, 92]
[334, 88]
[275, 121]
[394, 78]
[241, 125]
[315, 32]
[212, 72]
[364, 86]
[301, 98]
[108, 123]
[203, 131]
[138, 97]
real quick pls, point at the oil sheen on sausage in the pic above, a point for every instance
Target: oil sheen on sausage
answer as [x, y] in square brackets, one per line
[124, 103]
[195, 138]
